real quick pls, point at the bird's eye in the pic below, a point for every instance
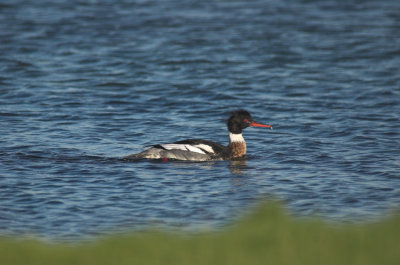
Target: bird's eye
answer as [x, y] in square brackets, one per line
[246, 120]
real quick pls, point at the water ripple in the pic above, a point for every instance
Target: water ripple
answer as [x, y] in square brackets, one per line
[83, 84]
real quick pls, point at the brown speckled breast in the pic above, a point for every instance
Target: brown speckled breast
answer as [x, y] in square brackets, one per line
[238, 149]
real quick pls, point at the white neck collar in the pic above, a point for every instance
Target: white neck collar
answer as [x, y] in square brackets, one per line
[235, 137]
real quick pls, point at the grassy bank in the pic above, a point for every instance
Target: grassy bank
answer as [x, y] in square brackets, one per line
[268, 236]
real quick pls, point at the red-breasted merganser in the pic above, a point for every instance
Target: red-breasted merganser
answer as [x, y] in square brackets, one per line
[203, 150]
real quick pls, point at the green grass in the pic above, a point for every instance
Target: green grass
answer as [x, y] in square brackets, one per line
[268, 236]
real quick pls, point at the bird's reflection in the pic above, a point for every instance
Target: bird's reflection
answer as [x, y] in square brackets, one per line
[237, 166]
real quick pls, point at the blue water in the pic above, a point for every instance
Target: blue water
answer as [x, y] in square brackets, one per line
[84, 83]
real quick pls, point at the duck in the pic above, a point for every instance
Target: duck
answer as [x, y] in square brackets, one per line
[205, 150]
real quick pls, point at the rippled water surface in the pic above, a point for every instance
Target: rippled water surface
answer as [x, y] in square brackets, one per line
[83, 83]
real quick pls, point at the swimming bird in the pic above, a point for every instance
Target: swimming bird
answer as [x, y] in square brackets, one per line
[204, 150]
